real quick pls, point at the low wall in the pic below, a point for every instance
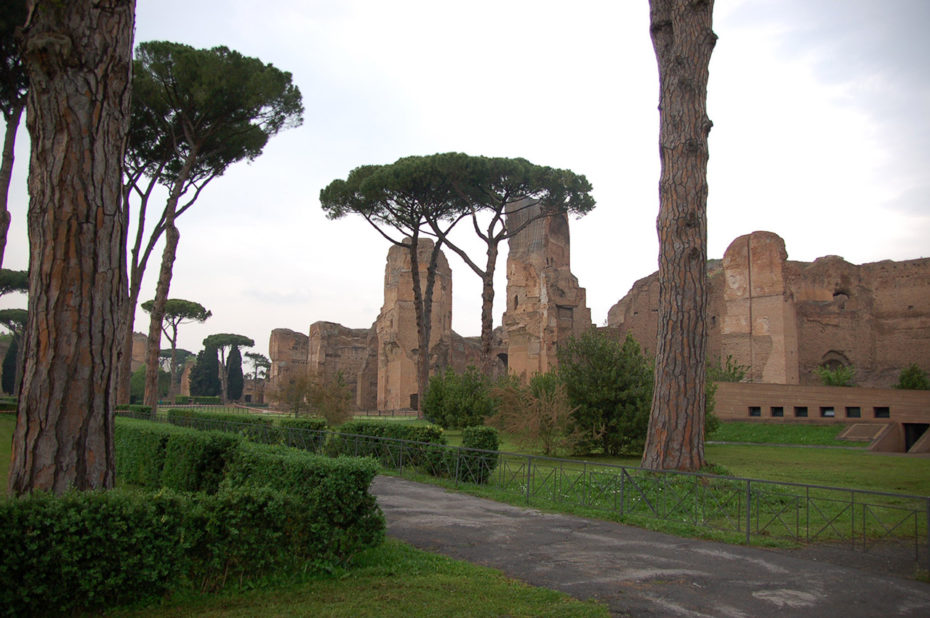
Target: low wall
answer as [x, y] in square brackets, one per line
[820, 404]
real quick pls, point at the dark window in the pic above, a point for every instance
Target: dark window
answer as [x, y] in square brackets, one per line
[800, 411]
[882, 412]
[853, 412]
[755, 411]
[827, 411]
[778, 411]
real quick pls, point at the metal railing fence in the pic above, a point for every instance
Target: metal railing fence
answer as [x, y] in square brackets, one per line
[755, 509]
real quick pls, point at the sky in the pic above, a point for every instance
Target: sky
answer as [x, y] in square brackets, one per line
[821, 134]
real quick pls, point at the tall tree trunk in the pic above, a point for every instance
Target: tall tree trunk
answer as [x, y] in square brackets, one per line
[78, 57]
[487, 309]
[127, 320]
[6, 173]
[153, 345]
[222, 375]
[683, 41]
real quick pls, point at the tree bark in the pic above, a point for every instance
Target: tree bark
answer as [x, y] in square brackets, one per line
[683, 41]
[6, 173]
[487, 309]
[153, 345]
[78, 58]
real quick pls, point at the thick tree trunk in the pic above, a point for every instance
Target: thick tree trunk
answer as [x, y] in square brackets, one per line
[683, 42]
[127, 320]
[6, 173]
[78, 56]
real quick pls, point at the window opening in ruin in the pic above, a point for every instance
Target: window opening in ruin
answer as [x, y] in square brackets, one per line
[777, 411]
[827, 411]
[755, 411]
[853, 412]
[800, 411]
[882, 412]
[516, 301]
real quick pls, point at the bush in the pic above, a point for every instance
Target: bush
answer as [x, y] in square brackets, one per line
[331, 399]
[308, 434]
[255, 428]
[838, 376]
[352, 439]
[538, 415]
[455, 401]
[913, 378]
[477, 467]
[610, 385]
[196, 460]
[90, 550]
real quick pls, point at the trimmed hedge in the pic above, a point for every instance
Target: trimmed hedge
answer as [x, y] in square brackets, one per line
[255, 428]
[478, 466]
[307, 433]
[352, 440]
[90, 550]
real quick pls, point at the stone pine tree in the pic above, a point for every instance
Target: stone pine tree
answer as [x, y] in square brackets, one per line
[13, 87]
[260, 365]
[224, 343]
[683, 41]
[404, 196]
[494, 187]
[177, 311]
[78, 61]
[195, 112]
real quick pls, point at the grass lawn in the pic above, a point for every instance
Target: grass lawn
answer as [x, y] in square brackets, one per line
[391, 580]
[782, 433]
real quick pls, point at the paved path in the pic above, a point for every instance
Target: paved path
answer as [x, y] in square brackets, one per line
[637, 572]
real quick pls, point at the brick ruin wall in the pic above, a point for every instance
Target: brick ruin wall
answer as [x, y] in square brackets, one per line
[783, 319]
[545, 305]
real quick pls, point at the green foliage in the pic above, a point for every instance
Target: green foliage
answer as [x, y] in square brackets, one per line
[477, 467]
[260, 365]
[13, 280]
[455, 401]
[14, 320]
[196, 460]
[10, 362]
[839, 376]
[307, 433]
[610, 385]
[726, 371]
[912, 378]
[251, 427]
[234, 374]
[352, 440]
[137, 384]
[205, 375]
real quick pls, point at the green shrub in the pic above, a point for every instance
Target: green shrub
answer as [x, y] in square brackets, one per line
[90, 550]
[306, 433]
[353, 439]
[139, 448]
[334, 490]
[913, 378]
[255, 428]
[610, 386]
[182, 400]
[838, 376]
[8, 406]
[477, 467]
[196, 460]
[454, 401]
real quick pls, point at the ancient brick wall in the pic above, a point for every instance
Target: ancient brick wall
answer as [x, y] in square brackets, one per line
[545, 304]
[783, 319]
[288, 351]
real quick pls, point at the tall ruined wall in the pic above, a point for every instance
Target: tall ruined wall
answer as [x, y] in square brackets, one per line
[545, 304]
[333, 349]
[288, 351]
[396, 325]
[784, 319]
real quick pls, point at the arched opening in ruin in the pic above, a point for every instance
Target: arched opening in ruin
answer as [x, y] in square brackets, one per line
[834, 359]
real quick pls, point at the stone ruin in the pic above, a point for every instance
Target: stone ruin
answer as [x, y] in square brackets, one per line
[545, 306]
[783, 319]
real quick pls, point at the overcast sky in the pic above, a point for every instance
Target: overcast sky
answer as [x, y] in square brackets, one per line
[821, 112]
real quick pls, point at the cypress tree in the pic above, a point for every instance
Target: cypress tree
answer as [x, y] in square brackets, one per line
[234, 377]
[205, 380]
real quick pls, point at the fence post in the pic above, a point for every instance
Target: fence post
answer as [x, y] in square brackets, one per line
[748, 509]
[927, 532]
[529, 468]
